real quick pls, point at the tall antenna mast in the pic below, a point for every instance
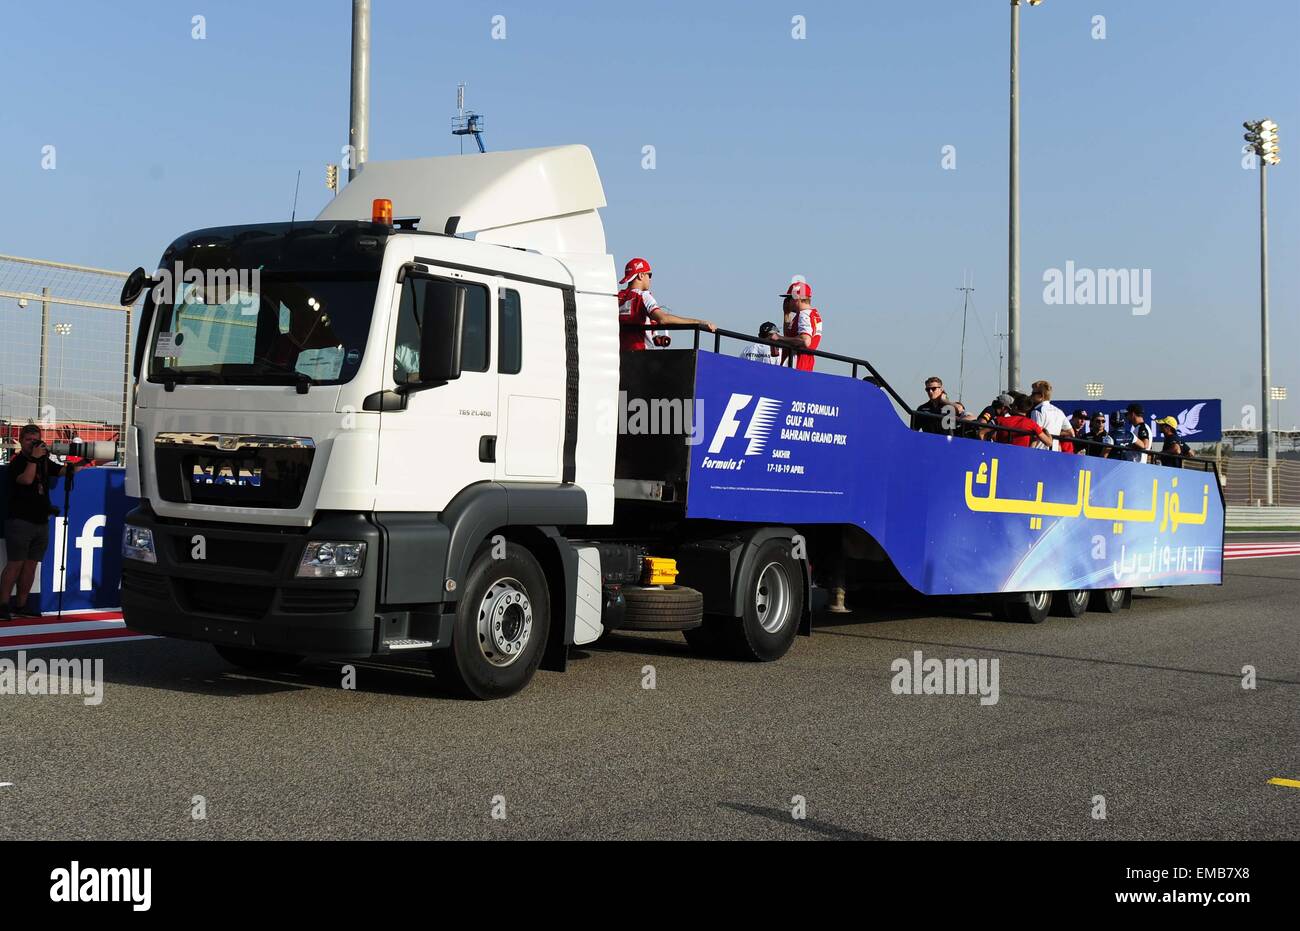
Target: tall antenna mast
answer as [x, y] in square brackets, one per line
[460, 113]
[961, 376]
[466, 122]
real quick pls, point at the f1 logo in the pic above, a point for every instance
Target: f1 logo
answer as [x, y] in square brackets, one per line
[760, 423]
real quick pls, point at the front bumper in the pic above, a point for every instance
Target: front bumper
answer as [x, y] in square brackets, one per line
[243, 592]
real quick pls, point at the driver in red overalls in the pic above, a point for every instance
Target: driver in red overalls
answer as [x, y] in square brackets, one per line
[637, 306]
[803, 325]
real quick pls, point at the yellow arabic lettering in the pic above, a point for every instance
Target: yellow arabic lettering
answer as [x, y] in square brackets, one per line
[1035, 506]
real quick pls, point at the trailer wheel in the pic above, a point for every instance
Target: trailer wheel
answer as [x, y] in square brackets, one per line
[499, 633]
[261, 660]
[672, 607]
[773, 597]
[1110, 600]
[1027, 607]
[1071, 603]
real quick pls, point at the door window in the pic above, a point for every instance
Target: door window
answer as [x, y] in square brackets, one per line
[419, 294]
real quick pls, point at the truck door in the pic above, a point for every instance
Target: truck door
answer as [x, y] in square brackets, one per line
[531, 362]
[444, 439]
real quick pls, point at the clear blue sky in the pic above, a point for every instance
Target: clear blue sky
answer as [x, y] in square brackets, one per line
[774, 156]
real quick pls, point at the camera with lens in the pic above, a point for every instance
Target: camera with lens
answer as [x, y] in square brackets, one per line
[100, 450]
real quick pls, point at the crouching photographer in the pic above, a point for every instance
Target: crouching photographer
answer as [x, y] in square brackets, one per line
[27, 520]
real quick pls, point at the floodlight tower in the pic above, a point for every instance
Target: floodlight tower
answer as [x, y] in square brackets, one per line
[1262, 137]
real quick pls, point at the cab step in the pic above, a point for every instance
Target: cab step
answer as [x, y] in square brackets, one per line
[405, 644]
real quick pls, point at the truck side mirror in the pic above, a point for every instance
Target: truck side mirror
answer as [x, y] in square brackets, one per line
[134, 286]
[440, 338]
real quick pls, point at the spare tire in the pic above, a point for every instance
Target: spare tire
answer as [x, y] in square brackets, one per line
[672, 607]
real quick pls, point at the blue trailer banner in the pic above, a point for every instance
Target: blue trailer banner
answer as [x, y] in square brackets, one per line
[1200, 420]
[91, 529]
[955, 515]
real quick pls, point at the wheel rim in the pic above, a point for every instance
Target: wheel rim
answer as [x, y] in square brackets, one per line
[1038, 600]
[1079, 599]
[505, 622]
[1115, 596]
[772, 597]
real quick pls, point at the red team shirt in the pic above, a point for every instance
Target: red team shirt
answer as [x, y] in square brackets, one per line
[1018, 422]
[634, 307]
[810, 322]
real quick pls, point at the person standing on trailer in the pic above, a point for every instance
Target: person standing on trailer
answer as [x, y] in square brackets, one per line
[1051, 418]
[803, 325]
[766, 351]
[1101, 444]
[638, 307]
[1173, 446]
[1000, 407]
[1023, 429]
[1138, 441]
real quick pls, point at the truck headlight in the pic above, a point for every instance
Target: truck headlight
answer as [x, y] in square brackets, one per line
[332, 559]
[137, 543]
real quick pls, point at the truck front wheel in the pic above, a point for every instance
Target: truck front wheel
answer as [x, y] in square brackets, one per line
[773, 597]
[499, 634]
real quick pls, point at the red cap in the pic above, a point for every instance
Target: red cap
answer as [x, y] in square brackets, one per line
[634, 268]
[799, 290]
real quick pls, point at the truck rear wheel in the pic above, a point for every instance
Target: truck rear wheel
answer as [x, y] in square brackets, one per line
[1070, 604]
[502, 622]
[261, 660]
[1025, 607]
[773, 596]
[1109, 600]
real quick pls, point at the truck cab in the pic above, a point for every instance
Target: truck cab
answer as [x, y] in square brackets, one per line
[332, 416]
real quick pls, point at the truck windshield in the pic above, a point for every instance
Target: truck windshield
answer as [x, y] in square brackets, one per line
[278, 303]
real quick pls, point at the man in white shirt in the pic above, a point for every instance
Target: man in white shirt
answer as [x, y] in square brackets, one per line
[767, 351]
[1047, 415]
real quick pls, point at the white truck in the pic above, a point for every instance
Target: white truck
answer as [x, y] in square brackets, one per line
[352, 437]
[407, 426]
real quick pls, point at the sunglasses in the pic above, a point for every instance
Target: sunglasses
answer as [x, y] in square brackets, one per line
[934, 387]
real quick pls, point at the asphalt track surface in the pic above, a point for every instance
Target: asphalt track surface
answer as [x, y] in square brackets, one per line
[1145, 708]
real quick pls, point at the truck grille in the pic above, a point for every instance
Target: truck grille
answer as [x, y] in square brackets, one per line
[233, 470]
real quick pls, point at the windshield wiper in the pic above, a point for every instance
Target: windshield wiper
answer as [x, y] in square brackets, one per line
[170, 378]
[302, 381]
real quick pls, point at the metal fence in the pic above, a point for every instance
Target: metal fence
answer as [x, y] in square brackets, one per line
[1244, 481]
[65, 351]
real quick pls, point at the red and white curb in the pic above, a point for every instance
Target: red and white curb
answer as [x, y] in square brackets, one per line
[74, 627]
[1260, 550]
